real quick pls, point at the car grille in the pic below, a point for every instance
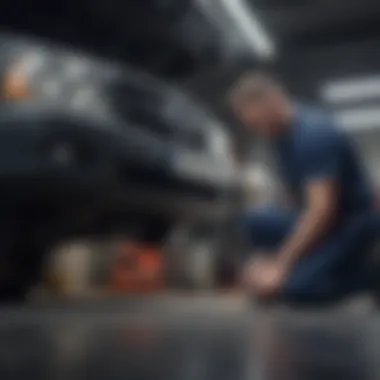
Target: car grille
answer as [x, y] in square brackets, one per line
[145, 109]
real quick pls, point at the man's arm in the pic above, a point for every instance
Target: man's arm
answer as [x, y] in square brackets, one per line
[314, 222]
[320, 172]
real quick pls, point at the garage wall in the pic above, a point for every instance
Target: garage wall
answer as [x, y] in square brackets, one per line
[369, 147]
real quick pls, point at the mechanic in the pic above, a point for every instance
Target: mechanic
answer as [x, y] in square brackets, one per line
[317, 250]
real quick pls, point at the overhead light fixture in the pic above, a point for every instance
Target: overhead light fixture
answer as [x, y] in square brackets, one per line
[354, 89]
[250, 27]
[359, 119]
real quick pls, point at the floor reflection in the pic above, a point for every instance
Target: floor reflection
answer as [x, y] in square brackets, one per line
[325, 350]
[265, 348]
[25, 353]
[137, 351]
[162, 353]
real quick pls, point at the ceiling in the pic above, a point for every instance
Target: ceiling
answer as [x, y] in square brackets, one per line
[321, 40]
[316, 42]
[306, 24]
[330, 46]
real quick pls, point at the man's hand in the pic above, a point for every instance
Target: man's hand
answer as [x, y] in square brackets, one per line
[265, 277]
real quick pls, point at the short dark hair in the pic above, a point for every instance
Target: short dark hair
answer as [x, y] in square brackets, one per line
[252, 85]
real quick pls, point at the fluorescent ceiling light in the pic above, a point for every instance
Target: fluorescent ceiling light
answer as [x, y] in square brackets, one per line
[355, 89]
[250, 27]
[359, 119]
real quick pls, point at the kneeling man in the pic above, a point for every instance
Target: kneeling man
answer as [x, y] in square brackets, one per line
[317, 250]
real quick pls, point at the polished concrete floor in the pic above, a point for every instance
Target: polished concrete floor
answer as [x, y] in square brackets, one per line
[185, 338]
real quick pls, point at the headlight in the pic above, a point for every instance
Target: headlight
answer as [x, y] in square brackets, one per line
[16, 87]
[53, 77]
[21, 73]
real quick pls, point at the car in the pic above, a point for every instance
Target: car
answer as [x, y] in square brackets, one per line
[92, 148]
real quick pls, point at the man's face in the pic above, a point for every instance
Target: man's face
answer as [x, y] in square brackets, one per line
[259, 115]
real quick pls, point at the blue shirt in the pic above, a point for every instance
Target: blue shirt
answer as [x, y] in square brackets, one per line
[315, 148]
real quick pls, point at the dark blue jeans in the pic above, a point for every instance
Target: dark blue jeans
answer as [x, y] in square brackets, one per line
[335, 267]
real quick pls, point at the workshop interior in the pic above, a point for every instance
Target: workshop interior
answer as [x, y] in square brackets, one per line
[124, 174]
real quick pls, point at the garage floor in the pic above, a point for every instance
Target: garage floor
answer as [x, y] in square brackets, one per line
[184, 338]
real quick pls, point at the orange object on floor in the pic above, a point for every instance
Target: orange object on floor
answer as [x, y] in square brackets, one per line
[139, 268]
